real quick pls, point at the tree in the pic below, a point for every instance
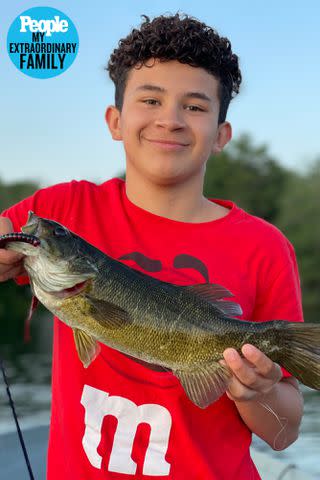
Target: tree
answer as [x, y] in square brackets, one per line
[12, 193]
[14, 300]
[299, 219]
[247, 175]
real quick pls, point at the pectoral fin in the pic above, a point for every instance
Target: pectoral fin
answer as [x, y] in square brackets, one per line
[108, 314]
[27, 323]
[204, 385]
[88, 348]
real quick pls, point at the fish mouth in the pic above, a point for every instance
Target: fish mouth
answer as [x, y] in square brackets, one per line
[31, 226]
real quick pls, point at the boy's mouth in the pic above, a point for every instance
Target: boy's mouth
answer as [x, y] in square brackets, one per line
[167, 144]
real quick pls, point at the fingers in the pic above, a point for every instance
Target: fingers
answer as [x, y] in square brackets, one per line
[10, 262]
[253, 374]
[239, 368]
[8, 258]
[5, 225]
[264, 366]
[13, 272]
[244, 379]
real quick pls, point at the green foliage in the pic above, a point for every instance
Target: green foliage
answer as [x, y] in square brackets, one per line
[14, 300]
[14, 305]
[14, 192]
[299, 219]
[247, 175]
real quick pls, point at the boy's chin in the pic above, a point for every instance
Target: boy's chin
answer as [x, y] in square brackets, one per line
[176, 176]
[165, 175]
[166, 180]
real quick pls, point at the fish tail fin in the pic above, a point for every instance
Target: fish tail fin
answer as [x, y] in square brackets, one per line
[301, 352]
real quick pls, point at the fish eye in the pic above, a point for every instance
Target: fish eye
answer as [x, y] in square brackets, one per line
[60, 232]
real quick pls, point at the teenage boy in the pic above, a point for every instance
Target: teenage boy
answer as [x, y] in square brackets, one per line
[119, 418]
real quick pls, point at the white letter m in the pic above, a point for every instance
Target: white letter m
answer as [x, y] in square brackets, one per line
[98, 404]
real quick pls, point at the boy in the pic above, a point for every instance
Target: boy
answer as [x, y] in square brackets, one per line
[120, 418]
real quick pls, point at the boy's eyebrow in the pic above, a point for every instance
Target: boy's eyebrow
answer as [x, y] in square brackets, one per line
[156, 88]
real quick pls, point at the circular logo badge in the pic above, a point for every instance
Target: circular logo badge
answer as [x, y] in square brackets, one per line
[42, 42]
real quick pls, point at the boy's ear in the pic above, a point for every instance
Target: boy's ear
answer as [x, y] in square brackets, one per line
[112, 117]
[224, 135]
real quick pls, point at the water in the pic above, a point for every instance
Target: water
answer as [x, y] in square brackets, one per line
[305, 452]
[29, 376]
[29, 380]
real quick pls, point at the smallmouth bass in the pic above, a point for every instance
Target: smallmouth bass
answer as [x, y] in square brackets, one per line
[181, 328]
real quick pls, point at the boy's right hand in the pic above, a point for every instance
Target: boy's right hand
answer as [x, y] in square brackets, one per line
[10, 262]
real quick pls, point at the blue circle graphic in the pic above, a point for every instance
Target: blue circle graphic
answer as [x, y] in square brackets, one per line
[42, 42]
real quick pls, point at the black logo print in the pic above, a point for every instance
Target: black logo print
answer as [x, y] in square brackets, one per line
[182, 260]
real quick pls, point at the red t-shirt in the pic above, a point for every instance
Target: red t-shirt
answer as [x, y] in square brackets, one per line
[118, 419]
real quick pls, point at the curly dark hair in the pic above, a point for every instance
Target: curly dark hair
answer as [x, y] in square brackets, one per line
[181, 38]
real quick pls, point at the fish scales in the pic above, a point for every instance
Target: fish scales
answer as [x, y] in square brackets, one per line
[166, 333]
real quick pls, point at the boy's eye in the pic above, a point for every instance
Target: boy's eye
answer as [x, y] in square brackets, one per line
[150, 101]
[194, 108]
[154, 101]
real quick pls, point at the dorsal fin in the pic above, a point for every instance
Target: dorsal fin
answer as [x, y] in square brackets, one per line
[214, 293]
[210, 291]
[231, 309]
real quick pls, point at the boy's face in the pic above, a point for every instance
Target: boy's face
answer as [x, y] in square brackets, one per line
[169, 121]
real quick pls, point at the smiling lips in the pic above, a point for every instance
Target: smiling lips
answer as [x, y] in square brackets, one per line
[167, 144]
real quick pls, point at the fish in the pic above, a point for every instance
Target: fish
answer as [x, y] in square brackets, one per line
[183, 329]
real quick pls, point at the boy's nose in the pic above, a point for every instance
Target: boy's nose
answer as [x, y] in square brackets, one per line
[171, 119]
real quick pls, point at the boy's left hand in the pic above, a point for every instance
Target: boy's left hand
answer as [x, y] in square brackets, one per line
[254, 374]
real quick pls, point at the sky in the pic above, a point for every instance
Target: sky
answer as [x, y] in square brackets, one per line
[53, 130]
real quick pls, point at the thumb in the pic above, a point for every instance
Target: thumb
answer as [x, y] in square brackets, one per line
[5, 225]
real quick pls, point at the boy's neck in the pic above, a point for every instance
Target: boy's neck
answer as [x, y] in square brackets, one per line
[183, 202]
